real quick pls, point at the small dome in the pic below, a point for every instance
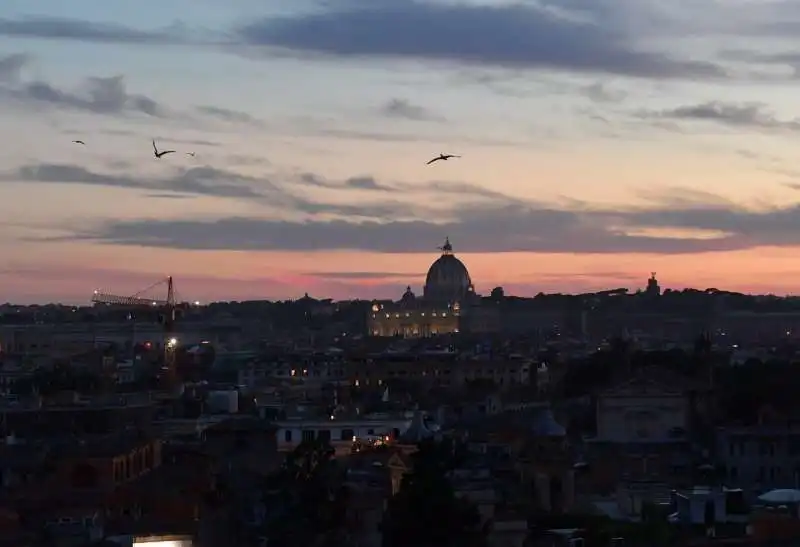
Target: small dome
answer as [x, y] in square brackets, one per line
[448, 280]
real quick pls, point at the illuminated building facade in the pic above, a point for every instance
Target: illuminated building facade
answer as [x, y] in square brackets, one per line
[342, 434]
[447, 295]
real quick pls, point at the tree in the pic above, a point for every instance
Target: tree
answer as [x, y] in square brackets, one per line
[426, 511]
[309, 496]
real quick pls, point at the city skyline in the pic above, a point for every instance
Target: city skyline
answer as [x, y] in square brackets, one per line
[601, 141]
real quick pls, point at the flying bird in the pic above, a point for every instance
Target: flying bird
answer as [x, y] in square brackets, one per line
[79, 142]
[158, 154]
[190, 154]
[442, 157]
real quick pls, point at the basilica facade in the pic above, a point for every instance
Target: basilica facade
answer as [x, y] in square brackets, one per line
[447, 298]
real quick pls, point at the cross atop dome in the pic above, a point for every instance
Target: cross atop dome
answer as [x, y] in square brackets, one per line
[447, 280]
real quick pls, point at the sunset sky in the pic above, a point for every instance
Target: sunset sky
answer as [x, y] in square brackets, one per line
[601, 140]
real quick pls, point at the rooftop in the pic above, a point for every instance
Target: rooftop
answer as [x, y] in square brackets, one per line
[101, 446]
[74, 401]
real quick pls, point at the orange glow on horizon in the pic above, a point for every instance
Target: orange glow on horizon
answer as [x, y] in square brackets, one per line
[207, 275]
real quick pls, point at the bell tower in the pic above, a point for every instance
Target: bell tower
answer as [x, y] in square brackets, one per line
[653, 288]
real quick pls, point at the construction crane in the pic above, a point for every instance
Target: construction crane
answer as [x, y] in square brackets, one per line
[167, 309]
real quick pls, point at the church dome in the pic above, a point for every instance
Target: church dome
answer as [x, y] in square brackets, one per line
[448, 279]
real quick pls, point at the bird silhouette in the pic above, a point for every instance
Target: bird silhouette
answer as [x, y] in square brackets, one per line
[442, 157]
[162, 153]
[79, 142]
[190, 154]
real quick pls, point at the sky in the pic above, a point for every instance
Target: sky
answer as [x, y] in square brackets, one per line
[601, 140]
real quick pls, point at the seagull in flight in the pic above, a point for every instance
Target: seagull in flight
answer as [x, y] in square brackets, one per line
[442, 157]
[158, 154]
[80, 142]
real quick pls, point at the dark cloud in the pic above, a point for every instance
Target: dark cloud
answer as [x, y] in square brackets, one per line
[788, 60]
[683, 198]
[603, 93]
[200, 181]
[193, 142]
[369, 210]
[352, 183]
[773, 19]
[170, 196]
[751, 115]
[210, 181]
[11, 66]
[228, 115]
[462, 189]
[491, 221]
[364, 183]
[447, 188]
[100, 95]
[512, 35]
[404, 109]
[691, 18]
[483, 228]
[58, 28]
[245, 159]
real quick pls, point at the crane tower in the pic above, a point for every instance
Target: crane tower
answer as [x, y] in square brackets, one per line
[167, 309]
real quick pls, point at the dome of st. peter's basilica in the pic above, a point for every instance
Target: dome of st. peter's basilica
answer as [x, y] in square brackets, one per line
[448, 280]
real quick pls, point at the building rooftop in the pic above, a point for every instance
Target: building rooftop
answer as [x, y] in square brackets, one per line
[74, 401]
[101, 446]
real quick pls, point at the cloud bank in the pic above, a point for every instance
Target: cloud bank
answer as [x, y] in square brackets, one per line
[621, 37]
[391, 220]
[98, 95]
[508, 35]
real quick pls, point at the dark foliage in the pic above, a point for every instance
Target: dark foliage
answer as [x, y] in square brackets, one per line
[621, 359]
[747, 389]
[308, 499]
[426, 511]
[741, 391]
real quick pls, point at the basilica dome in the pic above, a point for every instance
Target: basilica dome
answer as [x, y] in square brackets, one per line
[448, 280]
